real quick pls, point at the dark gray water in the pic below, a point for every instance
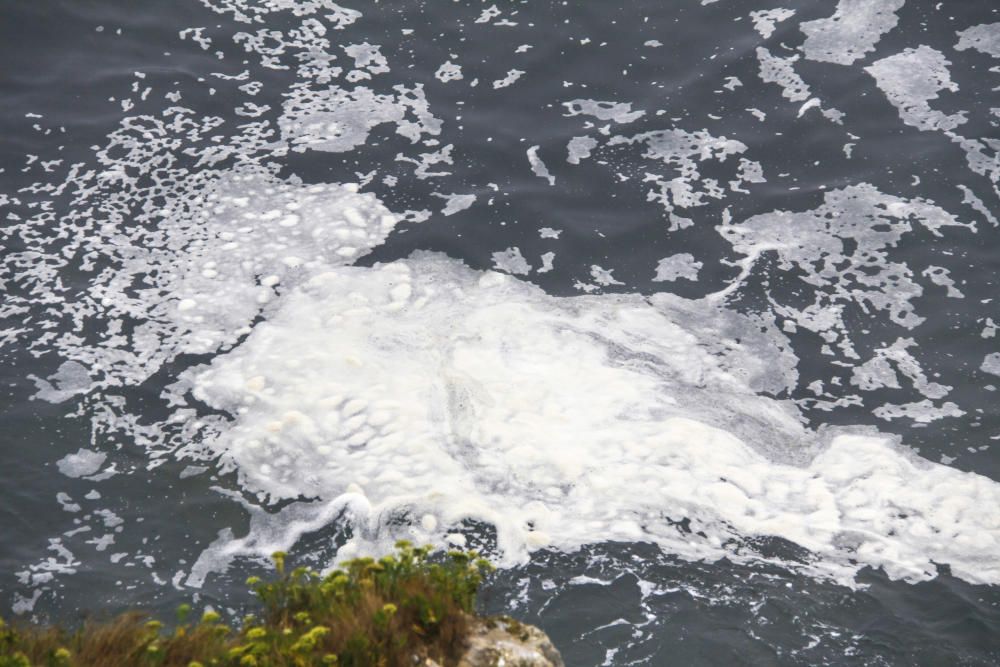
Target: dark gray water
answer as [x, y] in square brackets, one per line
[735, 404]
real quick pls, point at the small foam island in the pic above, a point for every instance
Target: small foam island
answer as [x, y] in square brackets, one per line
[414, 607]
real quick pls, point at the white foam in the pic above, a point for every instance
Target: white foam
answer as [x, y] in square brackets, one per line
[984, 38]
[781, 71]
[603, 277]
[488, 14]
[509, 80]
[683, 151]
[681, 265]
[83, 463]
[854, 29]
[861, 272]
[921, 412]
[407, 397]
[939, 275]
[70, 379]
[448, 71]
[455, 203]
[915, 78]
[971, 199]
[619, 112]
[559, 421]
[579, 148]
[991, 363]
[547, 262]
[911, 80]
[368, 60]
[775, 69]
[764, 20]
[511, 261]
[337, 120]
[538, 166]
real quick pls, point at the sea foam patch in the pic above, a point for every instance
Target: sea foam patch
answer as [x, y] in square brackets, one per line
[854, 29]
[403, 399]
[246, 236]
[425, 390]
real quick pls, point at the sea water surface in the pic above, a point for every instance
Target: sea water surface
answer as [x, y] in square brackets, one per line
[685, 313]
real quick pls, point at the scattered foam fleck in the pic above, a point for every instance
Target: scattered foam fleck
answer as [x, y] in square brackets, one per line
[681, 265]
[449, 71]
[860, 272]
[619, 112]
[911, 80]
[538, 167]
[579, 148]
[83, 463]
[854, 29]
[511, 78]
[984, 38]
[455, 202]
[683, 151]
[764, 20]
[603, 277]
[71, 379]
[511, 261]
[991, 363]
[774, 69]
[368, 60]
[547, 264]
[488, 14]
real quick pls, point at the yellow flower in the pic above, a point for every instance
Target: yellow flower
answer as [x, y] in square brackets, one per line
[279, 560]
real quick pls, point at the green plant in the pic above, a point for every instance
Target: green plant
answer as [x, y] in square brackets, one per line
[366, 613]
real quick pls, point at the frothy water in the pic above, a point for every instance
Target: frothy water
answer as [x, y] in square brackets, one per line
[422, 389]
[349, 288]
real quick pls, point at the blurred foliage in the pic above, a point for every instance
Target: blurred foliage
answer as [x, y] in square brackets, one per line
[386, 613]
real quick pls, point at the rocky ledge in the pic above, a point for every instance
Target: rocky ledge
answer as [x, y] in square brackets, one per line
[501, 641]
